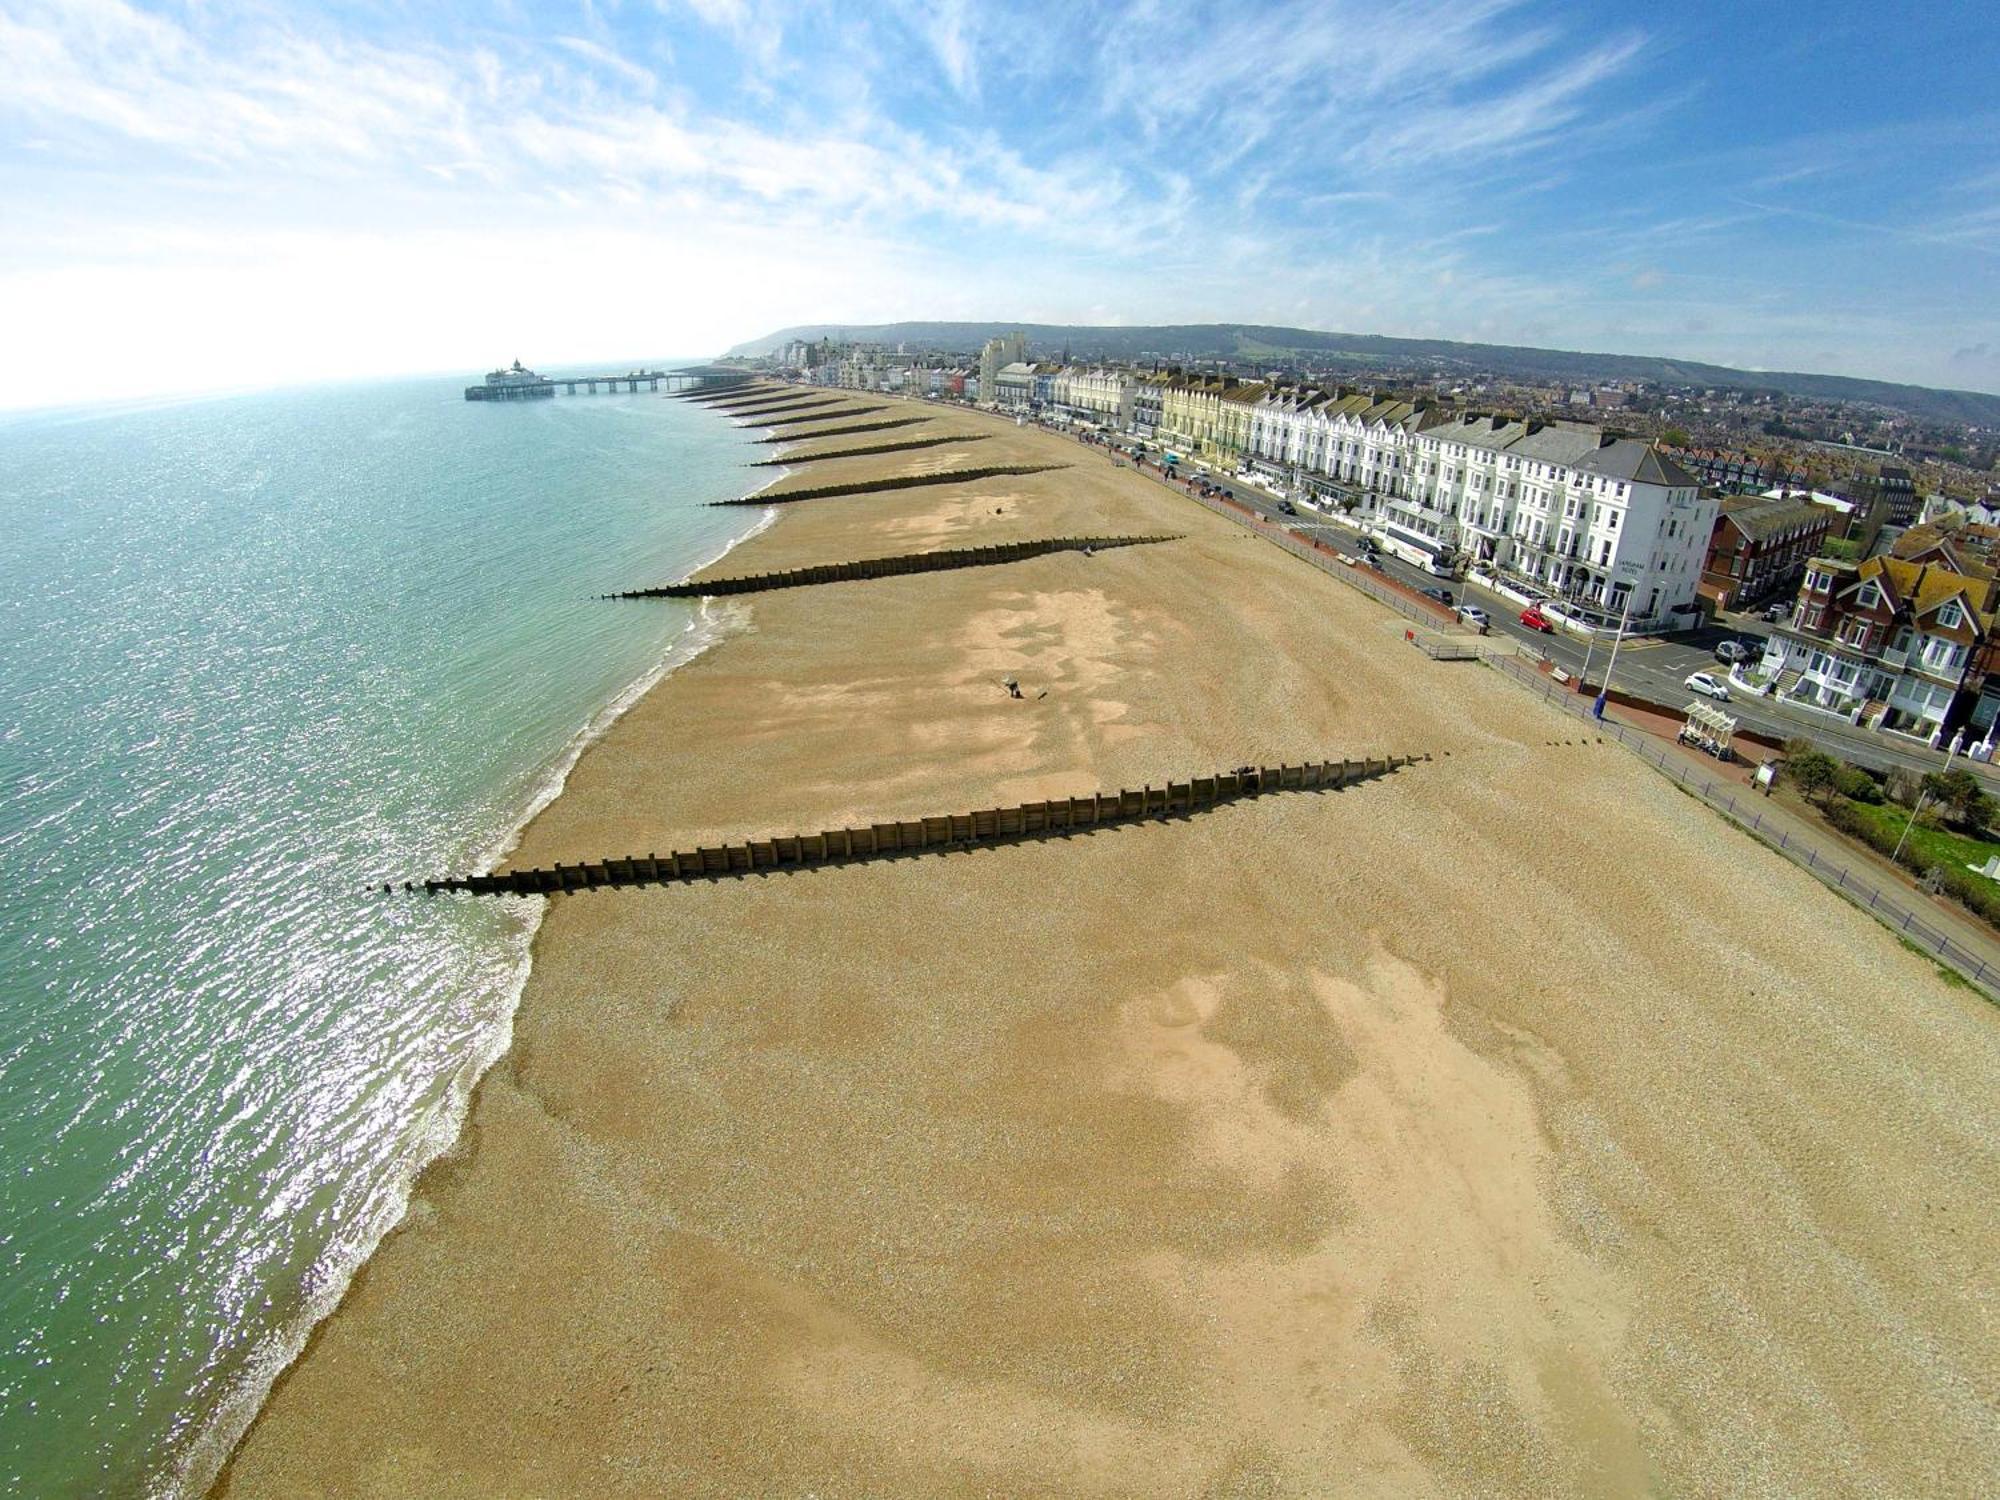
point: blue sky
(212, 194)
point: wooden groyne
(752, 394)
(709, 395)
(1059, 818)
(810, 437)
(764, 408)
(867, 452)
(889, 567)
(904, 482)
(852, 411)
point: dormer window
(1870, 595)
(1951, 616)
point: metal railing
(1422, 610)
(1743, 807)
(1889, 911)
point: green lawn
(1933, 846)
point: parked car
(1474, 616)
(1443, 596)
(1706, 684)
(1776, 612)
(1734, 651)
(1534, 619)
(1285, 508)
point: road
(1651, 667)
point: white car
(1473, 615)
(1705, 682)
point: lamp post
(1923, 797)
(1630, 574)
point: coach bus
(1419, 537)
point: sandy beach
(1511, 1125)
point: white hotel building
(1558, 509)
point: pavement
(1662, 663)
(1652, 667)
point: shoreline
(442, 1131)
(749, 1263)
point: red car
(1534, 619)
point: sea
(259, 655)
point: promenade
(1934, 925)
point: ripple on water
(261, 655)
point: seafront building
(1557, 510)
(1905, 642)
(1012, 386)
(1760, 548)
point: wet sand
(1511, 1125)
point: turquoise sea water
(256, 656)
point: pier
(519, 383)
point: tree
(1675, 437)
(1812, 772)
(1959, 793)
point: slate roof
(1760, 519)
(1638, 462)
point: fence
(1030, 820)
(1723, 798)
(1447, 647)
(869, 451)
(886, 567)
(1746, 809)
(904, 482)
(1410, 605)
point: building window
(1942, 655)
(1950, 617)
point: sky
(216, 195)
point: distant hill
(1363, 352)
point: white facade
(1013, 385)
(1559, 508)
(1096, 395)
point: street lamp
(1924, 796)
(1631, 575)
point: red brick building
(1760, 548)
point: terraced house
(1210, 417)
(1347, 446)
(1104, 395)
(1559, 509)
(1568, 510)
(1898, 643)
(1760, 547)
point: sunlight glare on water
(258, 655)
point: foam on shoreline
(438, 1132)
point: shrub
(1975, 893)
(1856, 785)
(1841, 814)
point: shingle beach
(1510, 1125)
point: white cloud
(335, 194)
